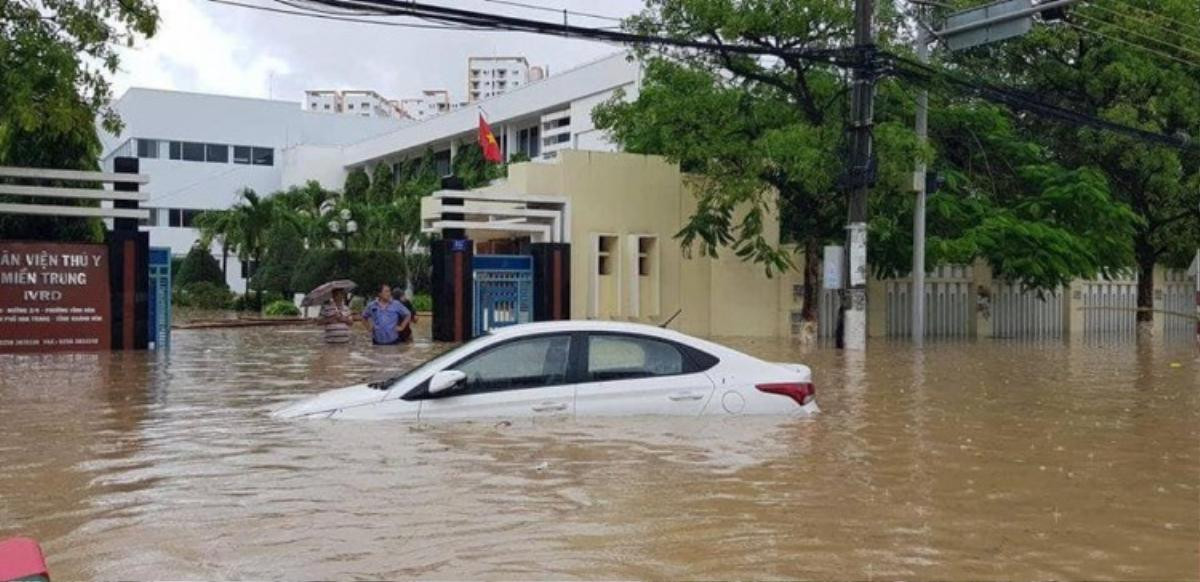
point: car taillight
(801, 392)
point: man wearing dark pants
(386, 318)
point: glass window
(263, 156)
(174, 217)
(193, 152)
(216, 153)
(526, 363)
(188, 217)
(175, 150)
(612, 357)
(147, 148)
(351, 106)
(241, 154)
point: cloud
(215, 48)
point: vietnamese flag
(488, 143)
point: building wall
(633, 196)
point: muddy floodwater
(989, 460)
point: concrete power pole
(860, 175)
(918, 259)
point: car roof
(588, 325)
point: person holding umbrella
(335, 312)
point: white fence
(948, 305)
(1179, 299)
(1110, 308)
(1018, 313)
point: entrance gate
(503, 291)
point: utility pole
(918, 259)
(859, 177)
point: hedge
(199, 266)
(281, 308)
(369, 269)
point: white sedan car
(575, 369)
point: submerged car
(575, 369)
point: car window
(612, 357)
(526, 363)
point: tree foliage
(199, 266)
(55, 59)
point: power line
(556, 10)
(1141, 34)
(1021, 101)
(310, 13)
(1133, 44)
(1144, 21)
(1178, 23)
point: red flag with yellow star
(488, 143)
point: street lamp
(344, 225)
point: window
(152, 219)
(193, 152)
(216, 153)
(615, 357)
(526, 363)
(248, 268)
(557, 139)
(241, 154)
(351, 106)
(263, 156)
(327, 107)
(174, 150)
(604, 255)
(174, 217)
(188, 217)
(646, 255)
(147, 148)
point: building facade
(358, 102)
(491, 76)
(201, 151)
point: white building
(358, 102)
(431, 102)
(491, 76)
(201, 150)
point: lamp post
(343, 225)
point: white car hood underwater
(327, 402)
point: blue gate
(503, 293)
(160, 298)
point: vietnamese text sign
(54, 297)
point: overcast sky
(216, 48)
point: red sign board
(54, 297)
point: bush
(281, 308)
(422, 302)
(254, 300)
(284, 249)
(420, 268)
(369, 269)
(203, 295)
(357, 304)
(199, 266)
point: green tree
(356, 186)
(243, 227)
(382, 185)
(220, 227)
(55, 59)
(199, 266)
(283, 248)
(1102, 71)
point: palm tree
(219, 225)
(253, 215)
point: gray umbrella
(325, 290)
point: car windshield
(430, 364)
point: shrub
(420, 268)
(203, 295)
(254, 300)
(422, 302)
(199, 266)
(357, 304)
(369, 269)
(284, 249)
(281, 308)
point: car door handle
(678, 396)
(549, 407)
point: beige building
(620, 212)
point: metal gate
(948, 306)
(160, 297)
(503, 291)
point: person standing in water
(386, 318)
(336, 317)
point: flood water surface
(982, 461)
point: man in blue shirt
(386, 318)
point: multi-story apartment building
(491, 76)
(431, 102)
(359, 102)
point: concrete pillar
(876, 307)
(1159, 323)
(980, 298)
(1072, 312)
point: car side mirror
(445, 380)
